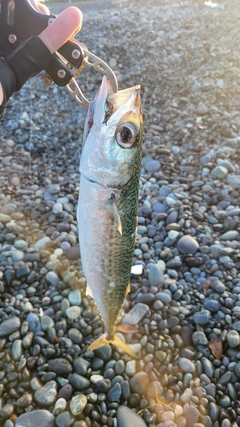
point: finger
(43, 8)
(62, 28)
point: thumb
(68, 23)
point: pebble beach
(185, 282)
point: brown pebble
(24, 401)
(65, 392)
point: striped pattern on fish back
(122, 248)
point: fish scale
(108, 200)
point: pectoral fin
(111, 204)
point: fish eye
(126, 135)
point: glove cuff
(31, 57)
(7, 80)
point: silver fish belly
(108, 197)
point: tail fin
(103, 340)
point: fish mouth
(106, 103)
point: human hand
(33, 56)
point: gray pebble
(139, 383)
(199, 337)
(233, 180)
(60, 366)
(155, 275)
(9, 326)
(136, 314)
(233, 338)
(54, 188)
(17, 350)
(128, 418)
(47, 394)
(79, 382)
(219, 172)
(208, 367)
(74, 297)
(73, 312)
(186, 365)
(114, 393)
(81, 365)
(65, 419)
(38, 418)
(201, 317)
(187, 245)
(52, 278)
(230, 235)
(33, 322)
(211, 305)
(164, 297)
(152, 165)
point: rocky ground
(186, 302)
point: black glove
(31, 57)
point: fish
(110, 167)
